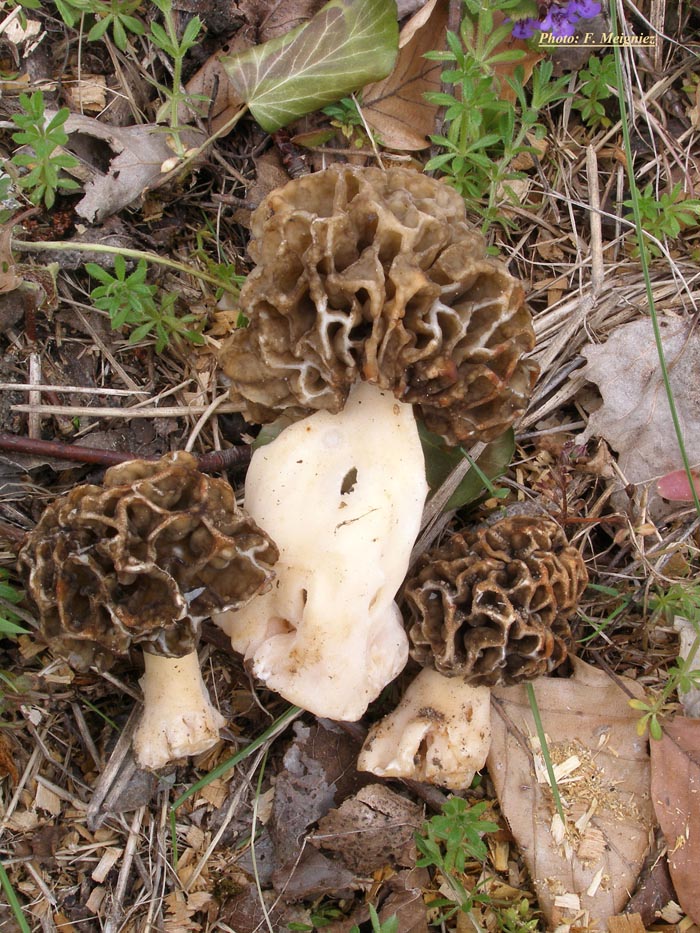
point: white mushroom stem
(440, 733)
(342, 497)
(178, 717)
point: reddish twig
(212, 462)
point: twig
(128, 414)
(113, 922)
(594, 219)
(212, 462)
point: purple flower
(525, 28)
(559, 23)
(585, 9)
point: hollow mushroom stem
(342, 497)
(440, 733)
(178, 716)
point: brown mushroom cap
(493, 605)
(141, 560)
(373, 274)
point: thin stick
(205, 416)
(83, 411)
(115, 914)
(594, 219)
(75, 390)
(213, 462)
(34, 420)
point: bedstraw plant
(131, 302)
(447, 842)
(679, 600)
(486, 128)
(44, 159)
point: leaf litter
(313, 792)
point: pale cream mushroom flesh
(439, 733)
(342, 497)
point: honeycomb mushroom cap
(493, 605)
(373, 274)
(142, 559)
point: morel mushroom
(141, 561)
(369, 289)
(489, 607)
(375, 275)
(493, 605)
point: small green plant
(517, 919)
(447, 841)
(223, 272)
(43, 137)
(117, 15)
(678, 600)
(327, 915)
(131, 302)
(485, 132)
(347, 119)
(598, 83)
(390, 925)
(166, 39)
(667, 215)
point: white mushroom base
(178, 717)
(440, 733)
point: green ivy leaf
(440, 460)
(346, 45)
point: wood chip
(215, 793)
(626, 923)
(109, 859)
(47, 800)
(97, 896)
(567, 901)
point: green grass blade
(279, 725)
(644, 255)
(545, 751)
(13, 901)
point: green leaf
(192, 30)
(142, 331)
(440, 460)
(119, 33)
(10, 628)
(346, 45)
(99, 29)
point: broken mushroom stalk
(489, 607)
(140, 561)
(371, 301)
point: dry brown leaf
(395, 107)
(376, 827)
(635, 418)
(586, 717)
(7, 760)
(134, 154)
(675, 792)
(212, 83)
